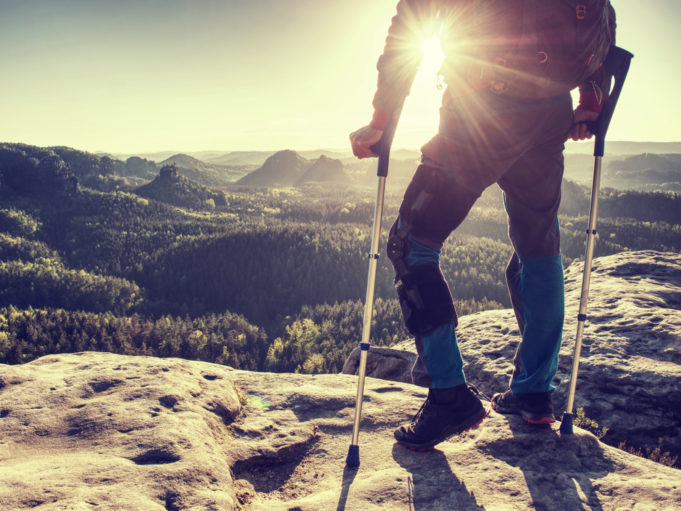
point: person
(509, 67)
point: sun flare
(432, 55)
(420, 117)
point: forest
(135, 258)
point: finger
(586, 133)
(574, 133)
(361, 151)
(582, 131)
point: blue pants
(517, 144)
(537, 291)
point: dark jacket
(484, 43)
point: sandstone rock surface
(630, 365)
(103, 431)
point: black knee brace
(424, 295)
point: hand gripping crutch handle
(382, 149)
(617, 63)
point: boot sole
(431, 445)
(528, 417)
(543, 420)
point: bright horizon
(147, 76)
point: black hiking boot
(444, 413)
(535, 408)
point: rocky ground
(630, 365)
(103, 431)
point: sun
(432, 55)
(420, 117)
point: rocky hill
(184, 160)
(118, 432)
(283, 168)
(288, 168)
(324, 170)
(646, 172)
(207, 174)
(172, 188)
(135, 166)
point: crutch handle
(382, 147)
(616, 63)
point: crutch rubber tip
(566, 424)
(353, 456)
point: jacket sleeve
(594, 92)
(414, 21)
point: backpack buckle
(580, 11)
(496, 85)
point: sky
(137, 76)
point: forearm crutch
(617, 63)
(382, 148)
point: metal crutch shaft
(382, 148)
(617, 63)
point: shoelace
(478, 393)
(420, 412)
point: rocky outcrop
(392, 364)
(288, 168)
(324, 170)
(630, 365)
(97, 430)
(283, 168)
(173, 188)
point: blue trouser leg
(537, 292)
(438, 349)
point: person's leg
(535, 280)
(439, 364)
(539, 291)
(481, 137)
(432, 208)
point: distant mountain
(289, 168)
(204, 173)
(184, 160)
(27, 170)
(284, 168)
(622, 147)
(257, 158)
(155, 156)
(325, 169)
(234, 158)
(579, 167)
(313, 155)
(137, 167)
(172, 188)
(645, 172)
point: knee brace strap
(425, 299)
(424, 295)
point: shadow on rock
(433, 485)
(348, 477)
(559, 469)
